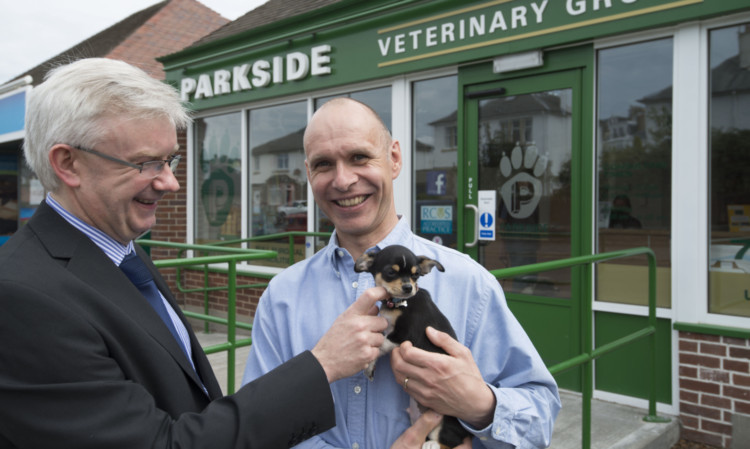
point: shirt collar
(111, 247)
(400, 234)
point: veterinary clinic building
(532, 130)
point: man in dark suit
(86, 361)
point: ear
(365, 261)
(426, 264)
(396, 160)
(64, 162)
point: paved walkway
(614, 426)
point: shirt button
(357, 389)
(355, 284)
(355, 446)
(340, 253)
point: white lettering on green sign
(293, 66)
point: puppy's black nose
(406, 288)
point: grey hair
(74, 100)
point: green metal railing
(231, 256)
(238, 244)
(590, 353)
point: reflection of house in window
(522, 119)
(618, 132)
(282, 162)
(280, 170)
(451, 136)
(730, 132)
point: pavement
(613, 426)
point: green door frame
(566, 68)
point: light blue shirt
(117, 252)
(301, 303)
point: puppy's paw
(431, 445)
(370, 371)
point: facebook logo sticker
(436, 182)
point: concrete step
(613, 426)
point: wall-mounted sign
(486, 206)
(436, 182)
(294, 66)
(436, 219)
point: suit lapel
(202, 365)
(88, 262)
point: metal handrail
(232, 256)
(590, 353)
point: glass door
(523, 144)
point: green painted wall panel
(549, 327)
(624, 371)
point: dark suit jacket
(85, 361)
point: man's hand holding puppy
(415, 435)
(448, 384)
(354, 339)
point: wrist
(484, 413)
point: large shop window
(729, 173)
(634, 153)
(277, 182)
(218, 173)
(435, 145)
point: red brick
(743, 353)
(688, 346)
(688, 371)
(702, 437)
(736, 365)
(713, 349)
(716, 401)
(697, 410)
(692, 359)
(742, 407)
(690, 422)
(689, 396)
(741, 381)
(737, 393)
(699, 386)
(734, 341)
(716, 427)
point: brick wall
(714, 381)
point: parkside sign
(473, 27)
(261, 73)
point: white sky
(36, 30)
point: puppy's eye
(414, 277)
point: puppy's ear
(426, 264)
(365, 261)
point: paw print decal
(521, 192)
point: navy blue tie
(141, 277)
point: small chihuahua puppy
(409, 310)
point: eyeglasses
(150, 169)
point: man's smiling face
(351, 165)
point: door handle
(476, 225)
